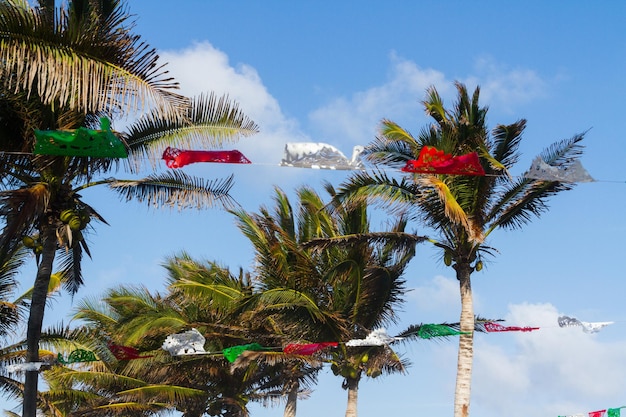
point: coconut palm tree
(462, 210)
(200, 295)
(325, 277)
(68, 68)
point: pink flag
(307, 349)
(597, 413)
(125, 353)
(495, 327)
(176, 158)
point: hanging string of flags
(611, 412)
(191, 342)
(315, 155)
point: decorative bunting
(614, 412)
(495, 327)
(78, 355)
(125, 353)
(25, 367)
(433, 161)
(599, 413)
(320, 156)
(232, 353)
(307, 349)
(540, 170)
(190, 342)
(176, 158)
(81, 142)
(565, 321)
(378, 337)
(427, 331)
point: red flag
(495, 327)
(176, 158)
(125, 353)
(433, 161)
(307, 349)
(599, 413)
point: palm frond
(405, 240)
(75, 73)
(176, 189)
(210, 122)
(380, 190)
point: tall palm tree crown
(67, 68)
(462, 210)
(324, 276)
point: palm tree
(200, 295)
(324, 277)
(68, 68)
(463, 210)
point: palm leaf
(176, 189)
(68, 69)
(209, 123)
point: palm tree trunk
(353, 394)
(292, 399)
(466, 343)
(35, 318)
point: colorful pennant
(611, 412)
(308, 348)
(565, 321)
(78, 355)
(232, 353)
(190, 342)
(125, 353)
(378, 337)
(81, 142)
(427, 331)
(575, 172)
(25, 367)
(433, 161)
(176, 158)
(495, 327)
(320, 156)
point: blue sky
(330, 72)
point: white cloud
(439, 294)
(551, 371)
(202, 68)
(505, 88)
(355, 119)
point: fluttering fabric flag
(320, 156)
(78, 355)
(378, 337)
(190, 342)
(232, 353)
(177, 158)
(540, 170)
(588, 327)
(427, 331)
(125, 353)
(496, 327)
(599, 413)
(614, 412)
(433, 161)
(307, 348)
(81, 142)
(25, 367)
